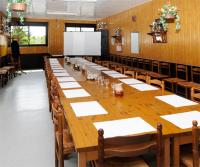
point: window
(73, 27)
(31, 34)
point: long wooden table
(134, 103)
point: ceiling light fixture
(61, 13)
(80, 0)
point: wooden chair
(181, 76)
(105, 63)
(129, 71)
(158, 83)
(160, 70)
(195, 82)
(125, 150)
(119, 68)
(63, 141)
(192, 158)
(3, 76)
(147, 64)
(195, 94)
(142, 77)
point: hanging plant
(17, 6)
(169, 12)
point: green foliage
(21, 33)
(171, 10)
(9, 9)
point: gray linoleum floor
(26, 129)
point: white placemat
(144, 87)
(183, 120)
(124, 127)
(110, 72)
(131, 81)
(87, 108)
(59, 71)
(176, 100)
(75, 93)
(65, 79)
(68, 85)
(57, 68)
(61, 74)
(101, 68)
(118, 75)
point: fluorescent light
(61, 13)
(80, 0)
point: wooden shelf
(159, 36)
(117, 37)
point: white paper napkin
(75, 93)
(183, 120)
(144, 87)
(131, 81)
(88, 108)
(65, 79)
(176, 100)
(68, 85)
(124, 127)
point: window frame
(45, 24)
(80, 25)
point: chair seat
(68, 144)
(8, 67)
(124, 162)
(156, 75)
(3, 72)
(188, 84)
(174, 80)
(187, 159)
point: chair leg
(56, 157)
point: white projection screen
(82, 43)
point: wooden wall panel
(56, 28)
(182, 47)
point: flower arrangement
(101, 25)
(117, 31)
(167, 12)
(21, 4)
(157, 26)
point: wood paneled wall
(182, 47)
(56, 28)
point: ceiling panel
(76, 9)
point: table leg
(167, 152)
(176, 152)
(82, 160)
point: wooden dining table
(133, 103)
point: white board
(135, 42)
(82, 43)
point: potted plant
(117, 31)
(101, 25)
(169, 12)
(18, 6)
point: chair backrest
(195, 94)
(195, 143)
(182, 71)
(147, 64)
(164, 68)
(130, 146)
(142, 77)
(140, 63)
(155, 66)
(135, 62)
(195, 74)
(158, 83)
